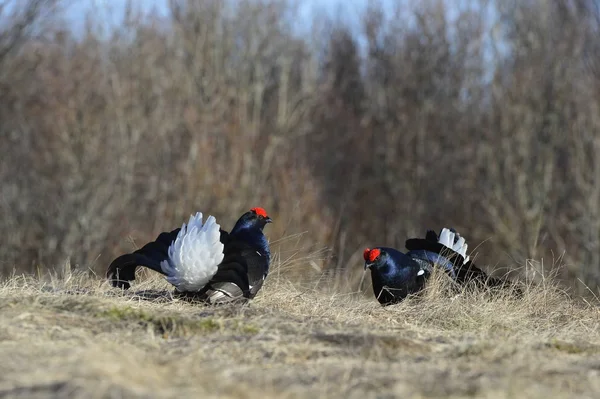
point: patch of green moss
(162, 324)
(207, 324)
(124, 313)
(249, 329)
(467, 350)
(568, 347)
(174, 325)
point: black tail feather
(122, 270)
(431, 236)
(465, 273)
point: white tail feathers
(447, 239)
(194, 255)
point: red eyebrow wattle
(259, 212)
(371, 254)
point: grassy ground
(77, 337)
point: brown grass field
(78, 337)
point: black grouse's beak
(268, 220)
(368, 265)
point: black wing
(470, 273)
(122, 270)
(465, 273)
(242, 266)
(428, 244)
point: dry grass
(78, 337)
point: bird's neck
(390, 271)
(252, 235)
(389, 268)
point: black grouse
(203, 261)
(395, 275)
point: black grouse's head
(374, 258)
(255, 217)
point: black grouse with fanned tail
(203, 261)
(395, 275)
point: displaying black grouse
(395, 275)
(203, 261)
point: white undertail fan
(194, 255)
(447, 237)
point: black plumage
(241, 273)
(395, 275)
(464, 270)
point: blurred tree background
(355, 130)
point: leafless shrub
(482, 115)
